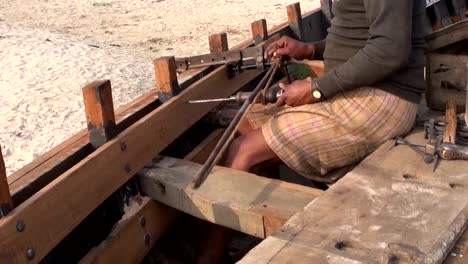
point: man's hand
(296, 94)
(292, 48)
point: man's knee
(239, 156)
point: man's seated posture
(373, 81)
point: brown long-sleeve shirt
(378, 43)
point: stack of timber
(109, 193)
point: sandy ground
(49, 49)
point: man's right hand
(290, 47)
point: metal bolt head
(143, 221)
(20, 226)
(30, 253)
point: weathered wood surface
(459, 253)
(448, 35)
(390, 209)
(218, 42)
(450, 130)
(259, 31)
(99, 108)
(239, 200)
(98, 175)
(295, 20)
(166, 78)
(135, 234)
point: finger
(281, 100)
(282, 52)
(270, 50)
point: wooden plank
(239, 200)
(135, 234)
(166, 78)
(99, 109)
(459, 253)
(447, 36)
(295, 20)
(6, 204)
(259, 31)
(218, 42)
(203, 150)
(107, 169)
(450, 131)
(391, 209)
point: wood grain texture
(99, 109)
(390, 209)
(450, 130)
(218, 42)
(134, 235)
(166, 78)
(239, 200)
(259, 31)
(107, 169)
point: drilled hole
(456, 186)
(408, 176)
(342, 245)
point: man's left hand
(296, 94)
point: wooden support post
(218, 42)
(450, 130)
(5, 199)
(99, 112)
(295, 20)
(259, 31)
(166, 78)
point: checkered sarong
(316, 138)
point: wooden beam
(218, 42)
(259, 31)
(97, 176)
(5, 199)
(203, 150)
(392, 208)
(450, 130)
(99, 109)
(239, 200)
(295, 20)
(166, 78)
(141, 226)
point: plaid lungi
(315, 138)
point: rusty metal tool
(229, 133)
(270, 97)
(235, 60)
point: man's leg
(244, 152)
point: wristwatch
(314, 89)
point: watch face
(317, 94)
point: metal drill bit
(229, 99)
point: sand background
(49, 49)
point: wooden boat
(108, 194)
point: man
(373, 81)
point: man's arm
(387, 50)
(319, 50)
